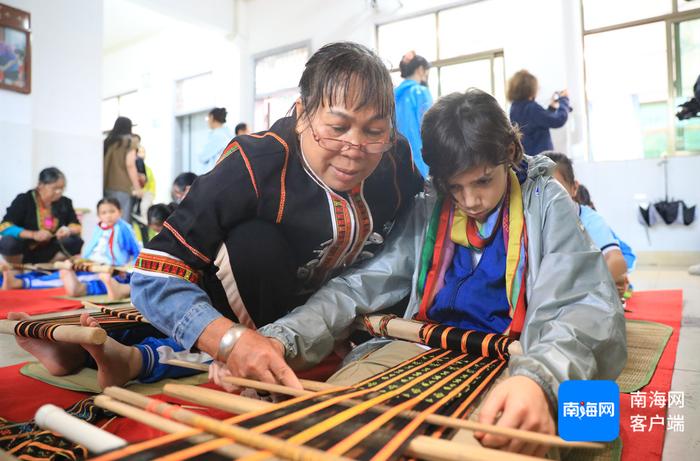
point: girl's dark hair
(411, 62)
(158, 213)
(121, 129)
(109, 201)
(50, 175)
(583, 196)
(564, 165)
(184, 179)
(218, 114)
(465, 130)
(348, 74)
(521, 86)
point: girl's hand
(520, 403)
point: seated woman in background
(181, 187)
(596, 227)
(113, 244)
(533, 120)
(39, 226)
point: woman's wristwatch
(228, 340)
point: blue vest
(474, 298)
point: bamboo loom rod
(456, 423)
(166, 425)
(422, 447)
(90, 266)
(308, 384)
(409, 330)
(315, 386)
(64, 333)
(265, 442)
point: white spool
(76, 430)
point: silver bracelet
(228, 340)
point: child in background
(155, 217)
(113, 243)
(596, 227)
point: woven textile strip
(27, 441)
(109, 318)
(437, 381)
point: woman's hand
(42, 235)
(520, 403)
(258, 357)
(63, 232)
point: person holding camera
(534, 120)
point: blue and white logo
(589, 411)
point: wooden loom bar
(409, 330)
(260, 441)
(63, 333)
(166, 425)
(422, 447)
(456, 423)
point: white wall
(151, 67)
(58, 123)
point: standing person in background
(534, 120)
(219, 137)
(413, 99)
(241, 128)
(121, 177)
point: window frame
(305, 44)
(672, 23)
(440, 62)
(118, 97)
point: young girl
(618, 255)
(113, 244)
(503, 253)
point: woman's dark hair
(411, 62)
(564, 165)
(158, 213)
(347, 74)
(218, 114)
(122, 127)
(583, 196)
(240, 127)
(521, 86)
(109, 201)
(465, 130)
(184, 179)
(50, 175)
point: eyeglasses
(339, 145)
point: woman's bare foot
(117, 364)
(9, 281)
(115, 290)
(71, 283)
(58, 358)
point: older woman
(40, 225)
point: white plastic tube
(76, 430)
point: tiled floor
(686, 377)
